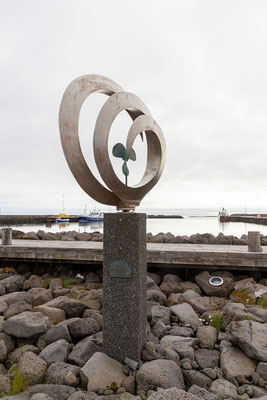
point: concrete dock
(198, 256)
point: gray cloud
(200, 66)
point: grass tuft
(19, 383)
(216, 321)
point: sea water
(193, 221)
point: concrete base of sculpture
(124, 285)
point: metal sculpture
(120, 195)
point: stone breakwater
(205, 238)
(202, 342)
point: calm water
(187, 226)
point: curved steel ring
(119, 195)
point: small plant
(68, 282)
(216, 321)
(262, 302)
(19, 383)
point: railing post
(7, 236)
(254, 241)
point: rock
(224, 388)
(15, 297)
(160, 313)
(159, 329)
(168, 287)
(262, 370)
(95, 314)
(202, 304)
(172, 394)
(5, 384)
(251, 337)
(57, 351)
(151, 285)
(186, 315)
(170, 340)
(47, 235)
(9, 341)
(156, 295)
(203, 393)
(26, 324)
(210, 372)
(101, 371)
(234, 362)
(17, 353)
(32, 367)
(149, 352)
(224, 290)
(3, 351)
(83, 351)
(207, 336)
(30, 236)
(34, 281)
(59, 331)
(83, 327)
(167, 353)
(156, 278)
(159, 373)
(13, 283)
(41, 396)
(42, 297)
(3, 305)
(56, 392)
(193, 377)
(207, 358)
(57, 372)
(181, 331)
(258, 311)
(83, 396)
(129, 384)
(16, 308)
(55, 315)
(73, 308)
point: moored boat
(94, 216)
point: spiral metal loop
(119, 195)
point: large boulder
(251, 337)
(72, 307)
(83, 351)
(186, 315)
(13, 283)
(207, 336)
(224, 290)
(26, 324)
(207, 358)
(57, 373)
(57, 351)
(224, 388)
(102, 371)
(32, 367)
(159, 373)
(262, 370)
(234, 362)
(193, 377)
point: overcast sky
(200, 67)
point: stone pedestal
(254, 241)
(7, 236)
(124, 285)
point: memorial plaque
(120, 269)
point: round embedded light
(216, 281)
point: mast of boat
(63, 205)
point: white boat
(62, 218)
(93, 216)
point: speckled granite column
(124, 285)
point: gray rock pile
(203, 342)
(204, 238)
